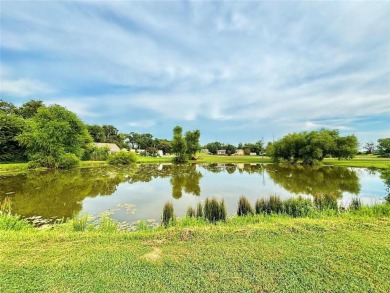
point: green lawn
(272, 254)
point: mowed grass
(271, 254)
(361, 161)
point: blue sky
(237, 70)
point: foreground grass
(349, 253)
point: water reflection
(61, 194)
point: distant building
(253, 154)
(160, 153)
(221, 152)
(206, 151)
(112, 147)
(239, 152)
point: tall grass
(355, 204)
(199, 211)
(191, 212)
(79, 223)
(214, 210)
(168, 215)
(9, 221)
(244, 207)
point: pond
(140, 191)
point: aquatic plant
(168, 215)
(190, 212)
(214, 210)
(355, 204)
(199, 211)
(244, 207)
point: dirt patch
(153, 255)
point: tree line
(53, 135)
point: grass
(362, 161)
(345, 253)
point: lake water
(139, 192)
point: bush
(80, 223)
(122, 158)
(168, 216)
(298, 207)
(94, 153)
(325, 202)
(244, 207)
(214, 211)
(68, 161)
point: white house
(221, 152)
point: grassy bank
(345, 253)
(359, 161)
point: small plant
(168, 216)
(80, 223)
(199, 211)
(142, 225)
(244, 207)
(222, 210)
(190, 212)
(122, 158)
(387, 199)
(356, 204)
(325, 202)
(260, 206)
(297, 207)
(108, 224)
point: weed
(244, 207)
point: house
(206, 151)
(112, 147)
(221, 152)
(239, 152)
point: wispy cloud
(236, 70)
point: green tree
(97, 133)
(179, 145)
(384, 147)
(230, 149)
(53, 132)
(7, 107)
(193, 146)
(213, 147)
(29, 109)
(10, 127)
(165, 146)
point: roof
(112, 146)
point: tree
(213, 147)
(165, 146)
(10, 127)
(29, 109)
(7, 107)
(179, 145)
(111, 133)
(193, 146)
(312, 147)
(53, 132)
(369, 147)
(97, 133)
(230, 149)
(384, 147)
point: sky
(239, 71)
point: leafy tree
(53, 132)
(111, 133)
(10, 127)
(7, 107)
(179, 145)
(312, 147)
(97, 133)
(192, 139)
(213, 147)
(29, 109)
(384, 147)
(230, 149)
(165, 146)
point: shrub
(68, 161)
(244, 207)
(260, 206)
(355, 204)
(122, 158)
(190, 212)
(12, 222)
(142, 225)
(168, 216)
(214, 211)
(108, 225)
(199, 211)
(325, 202)
(94, 153)
(298, 207)
(387, 199)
